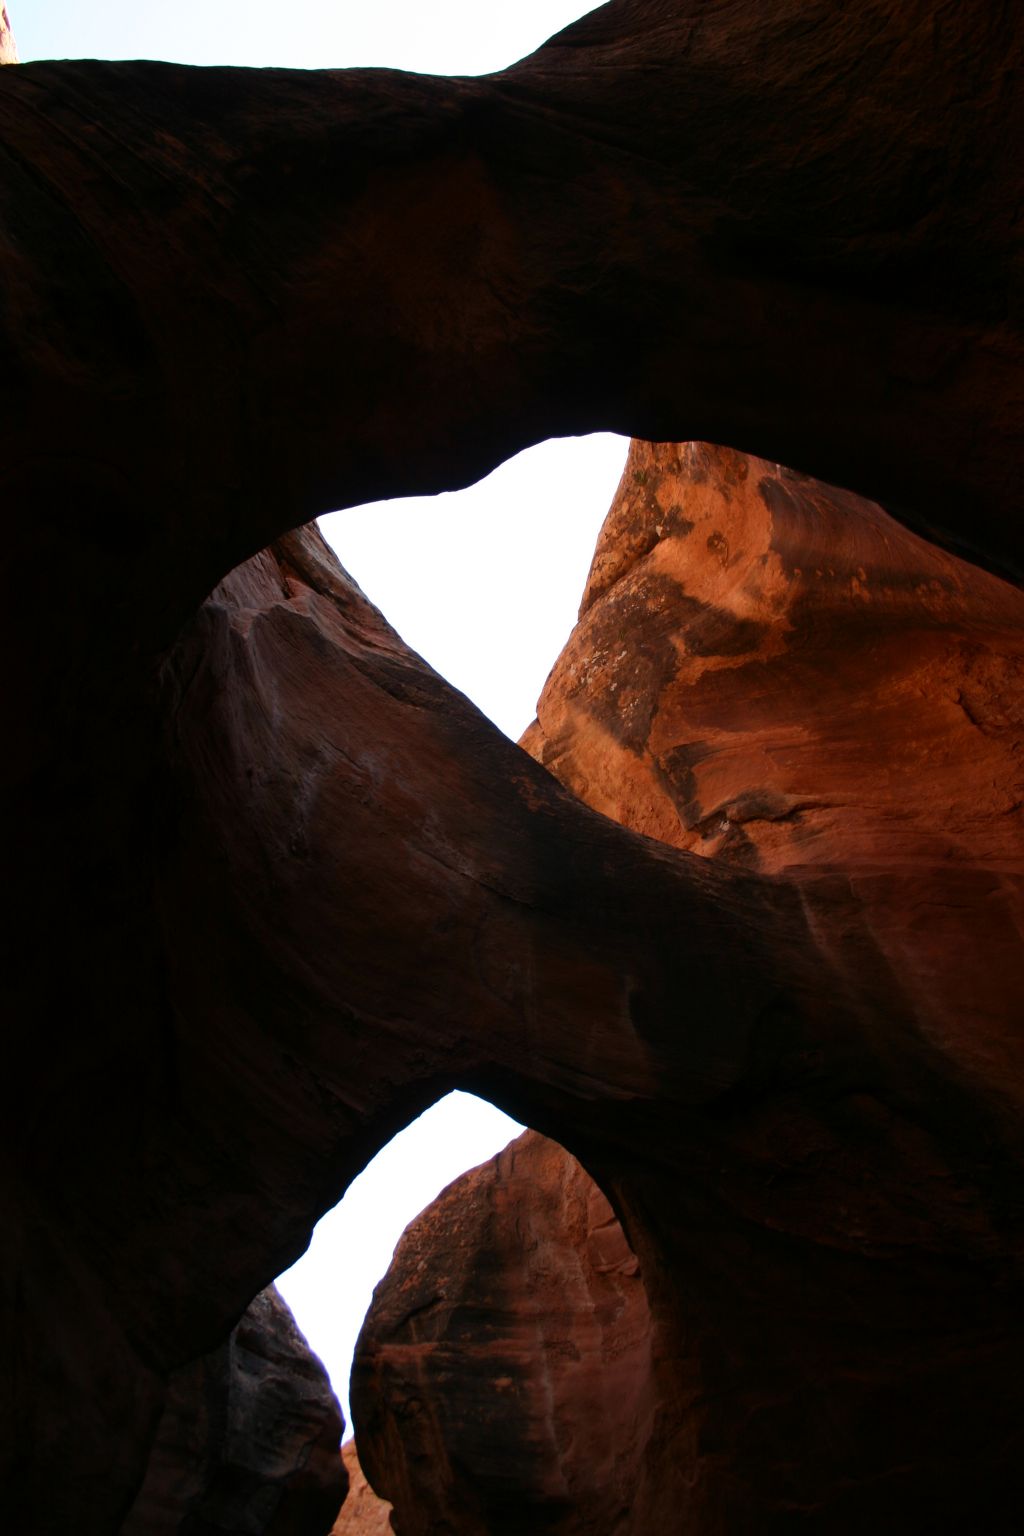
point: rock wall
(787, 235)
(503, 1379)
(248, 1442)
(775, 675)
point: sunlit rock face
(774, 675)
(8, 47)
(248, 1444)
(502, 1382)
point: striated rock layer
(275, 887)
(772, 674)
(248, 1441)
(502, 1381)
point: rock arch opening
(485, 583)
(503, 1380)
(330, 1288)
(763, 667)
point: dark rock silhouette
(249, 1438)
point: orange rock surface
(362, 1513)
(502, 1381)
(8, 47)
(774, 675)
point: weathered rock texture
(773, 674)
(275, 887)
(502, 1382)
(248, 1442)
(362, 1514)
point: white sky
(448, 37)
(485, 583)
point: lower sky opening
(330, 1288)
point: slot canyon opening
(485, 583)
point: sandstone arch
(678, 223)
(777, 677)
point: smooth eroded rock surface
(791, 232)
(774, 675)
(502, 1382)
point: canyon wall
(248, 1442)
(503, 1380)
(774, 675)
(277, 887)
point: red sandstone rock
(815, 1181)
(248, 1440)
(502, 1381)
(275, 887)
(773, 673)
(362, 1513)
(770, 673)
(811, 1166)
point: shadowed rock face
(503, 1381)
(276, 887)
(788, 230)
(772, 674)
(248, 1440)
